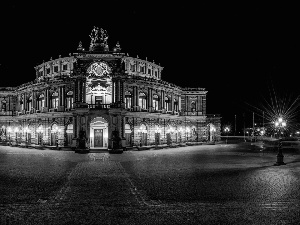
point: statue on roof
(94, 35)
(98, 39)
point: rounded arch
(142, 95)
(127, 129)
(143, 128)
(127, 93)
(99, 120)
(54, 126)
(69, 128)
(157, 128)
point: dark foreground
(222, 184)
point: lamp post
(39, 131)
(9, 130)
(16, 131)
(226, 129)
(56, 130)
(280, 124)
(212, 132)
(26, 139)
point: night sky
(237, 52)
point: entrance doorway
(98, 137)
(128, 135)
(99, 133)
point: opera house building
(103, 98)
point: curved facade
(98, 97)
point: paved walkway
(222, 184)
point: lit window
(41, 102)
(155, 102)
(54, 100)
(167, 104)
(128, 100)
(142, 101)
(29, 102)
(69, 99)
(3, 105)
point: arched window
(3, 105)
(155, 102)
(143, 101)
(193, 106)
(21, 103)
(69, 129)
(175, 105)
(128, 99)
(29, 103)
(41, 102)
(69, 99)
(54, 100)
(167, 104)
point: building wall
(56, 78)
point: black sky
(237, 52)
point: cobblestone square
(213, 184)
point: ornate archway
(98, 133)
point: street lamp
(39, 130)
(226, 129)
(56, 130)
(26, 138)
(280, 124)
(16, 131)
(9, 130)
(212, 132)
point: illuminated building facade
(100, 98)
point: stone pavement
(222, 184)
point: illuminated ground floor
(108, 129)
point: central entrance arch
(99, 133)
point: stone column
(119, 91)
(179, 103)
(33, 99)
(162, 99)
(74, 121)
(137, 96)
(113, 92)
(63, 96)
(172, 102)
(83, 87)
(75, 93)
(46, 98)
(122, 97)
(25, 102)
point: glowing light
(9, 129)
(226, 129)
(280, 120)
(212, 128)
(39, 130)
(157, 129)
(16, 130)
